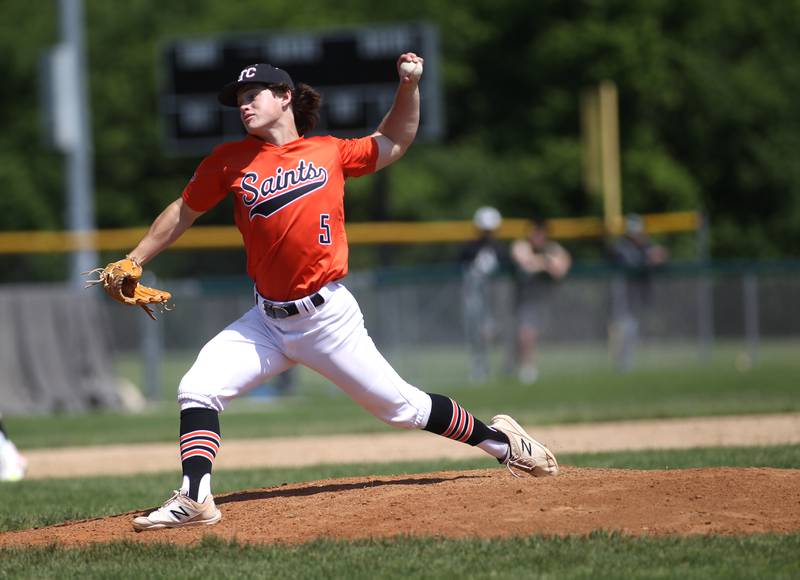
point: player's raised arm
(398, 129)
(167, 227)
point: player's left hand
(120, 280)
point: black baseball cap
(261, 73)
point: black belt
(287, 309)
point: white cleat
(12, 464)
(526, 453)
(180, 511)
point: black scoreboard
(353, 69)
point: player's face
(259, 107)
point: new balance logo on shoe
(181, 511)
(527, 446)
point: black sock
(451, 420)
(2, 429)
(199, 442)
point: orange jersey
(288, 206)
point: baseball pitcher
(288, 192)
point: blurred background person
(636, 257)
(12, 464)
(539, 264)
(481, 259)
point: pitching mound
(482, 503)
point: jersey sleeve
(205, 189)
(358, 156)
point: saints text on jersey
(266, 196)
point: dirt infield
(483, 503)
(480, 503)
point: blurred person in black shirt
(540, 263)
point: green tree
(708, 109)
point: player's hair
(305, 105)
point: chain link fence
(61, 346)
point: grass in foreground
(38, 503)
(597, 556)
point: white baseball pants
(330, 339)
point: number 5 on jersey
(325, 236)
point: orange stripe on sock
(202, 433)
(453, 420)
(197, 453)
(463, 419)
(205, 442)
(468, 430)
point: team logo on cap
(247, 73)
(267, 196)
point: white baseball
(412, 69)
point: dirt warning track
(737, 431)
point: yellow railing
(208, 237)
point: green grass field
(446, 367)
(599, 555)
(668, 383)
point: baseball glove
(120, 280)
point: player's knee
(412, 413)
(399, 421)
(193, 394)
